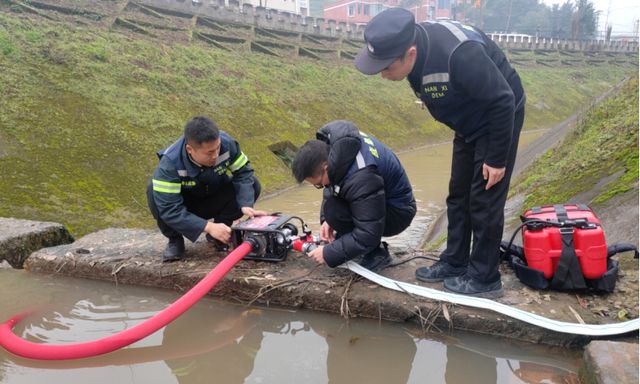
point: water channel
(225, 343)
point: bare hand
(492, 175)
(317, 255)
(252, 212)
(326, 233)
(219, 231)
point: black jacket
(177, 177)
(467, 83)
(368, 177)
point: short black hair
(309, 159)
(200, 129)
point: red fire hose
(20, 347)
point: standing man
(467, 83)
(201, 176)
(367, 194)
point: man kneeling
(367, 194)
(204, 175)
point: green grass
(604, 143)
(85, 109)
(6, 46)
(554, 93)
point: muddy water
(217, 342)
(223, 343)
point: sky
(622, 13)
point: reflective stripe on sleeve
(165, 186)
(239, 163)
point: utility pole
(606, 19)
(509, 16)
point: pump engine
(272, 236)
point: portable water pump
(272, 236)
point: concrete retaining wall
(270, 18)
(262, 17)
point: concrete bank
(607, 362)
(18, 238)
(126, 256)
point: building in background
(362, 11)
(354, 11)
(316, 8)
(300, 7)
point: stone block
(610, 362)
(20, 238)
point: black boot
(174, 250)
(439, 271)
(466, 285)
(377, 259)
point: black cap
(387, 36)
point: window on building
(376, 8)
(359, 9)
(366, 9)
(351, 11)
(443, 4)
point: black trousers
(338, 215)
(222, 206)
(474, 211)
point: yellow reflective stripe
(239, 163)
(165, 190)
(165, 186)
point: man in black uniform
(367, 194)
(467, 83)
(203, 175)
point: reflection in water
(475, 366)
(228, 347)
(325, 350)
(215, 342)
(536, 373)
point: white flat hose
(477, 302)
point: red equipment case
(543, 246)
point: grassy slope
(83, 110)
(604, 143)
